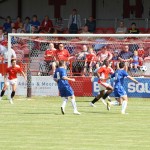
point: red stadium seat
(100, 30)
(142, 30)
(148, 30)
(110, 30)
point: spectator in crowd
(141, 50)
(90, 61)
(65, 89)
(27, 26)
(1, 35)
(14, 39)
(60, 54)
(133, 29)
(49, 59)
(59, 26)
(4, 53)
(14, 30)
(135, 61)
(4, 42)
(103, 54)
(11, 28)
(35, 23)
(17, 23)
(78, 65)
(7, 25)
(20, 27)
(115, 59)
(121, 29)
(3, 50)
(33, 29)
(74, 23)
(126, 56)
(46, 25)
(85, 30)
(115, 55)
(91, 23)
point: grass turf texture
(37, 124)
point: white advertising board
(41, 86)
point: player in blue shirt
(64, 87)
(119, 91)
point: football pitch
(37, 124)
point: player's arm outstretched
(131, 78)
(69, 79)
(23, 74)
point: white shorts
(11, 82)
(103, 86)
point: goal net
(37, 56)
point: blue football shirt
(59, 74)
(65, 89)
(119, 76)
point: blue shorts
(66, 91)
(119, 92)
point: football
(143, 68)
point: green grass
(37, 124)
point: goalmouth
(30, 49)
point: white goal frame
(10, 35)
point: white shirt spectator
(4, 53)
(121, 29)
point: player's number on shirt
(116, 76)
(58, 75)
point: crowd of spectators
(83, 58)
(75, 25)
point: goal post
(30, 49)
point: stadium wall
(41, 8)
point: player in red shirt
(103, 75)
(12, 78)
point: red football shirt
(105, 72)
(90, 57)
(12, 72)
(50, 55)
(62, 54)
